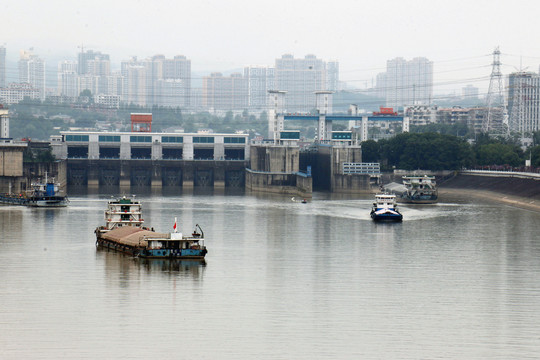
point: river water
(282, 280)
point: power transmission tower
(495, 121)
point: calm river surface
(282, 280)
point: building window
(289, 135)
(77, 138)
(203, 139)
(109, 138)
(342, 136)
(234, 140)
(172, 139)
(145, 139)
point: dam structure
(142, 158)
(333, 161)
(282, 163)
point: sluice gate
(156, 173)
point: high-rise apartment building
(115, 84)
(135, 85)
(170, 93)
(380, 86)
(259, 79)
(225, 93)
(167, 81)
(407, 82)
(32, 71)
(300, 78)
(332, 76)
(67, 79)
(524, 102)
(179, 68)
(2, 66)
(93, 62)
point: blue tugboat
(385, 208)
(44, 194)
(124, 232)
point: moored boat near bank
(124, 232)
(385, 208)
(420, 189)
(415, 190)
(44, 194)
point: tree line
(435, 151)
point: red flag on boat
(174, 226)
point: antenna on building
(495, 121)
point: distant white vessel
(420, 189)
(415, 189)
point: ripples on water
(282, 280)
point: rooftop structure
(141, 122)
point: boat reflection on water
(172, 265)
(118, 262)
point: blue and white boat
(42, 194)
(46, 195)
(385, 208)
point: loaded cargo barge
(123, 232)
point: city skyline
(477, 80)
(167, 82)
(221, 37)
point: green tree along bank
(435, 151)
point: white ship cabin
(385, 200)
(123, 212)
(419, 181)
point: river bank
(521, 193)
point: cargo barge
(124, 232)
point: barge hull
(179, 254)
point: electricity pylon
(495, 121)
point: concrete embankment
(514, 191)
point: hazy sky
(457, 35)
